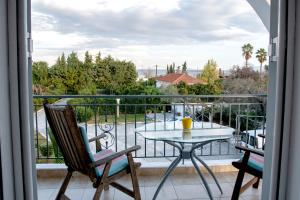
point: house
(176, 78)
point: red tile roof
(175, 78)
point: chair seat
(117, 165)
(255, 165)
(256, 162)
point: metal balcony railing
(119, 115)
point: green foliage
(114, 76)
(89, 90)
(57, 153)
(210, 72)
(171, 68)
(40, 73)
(83, 114)
(184, 67)
(46, 150)
(247, 50)
(227, 116)
(206, 89)
(72, 76)
(243, 73)
(182, 88)
(169, 90)
(210, 75)
(261, 55)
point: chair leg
(256, 184)
(98, 192)
(238, 185)
(240, 177)
(64, 185)
(102, 182)
(135, 183)
(106, 187)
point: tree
(241, 86)
(72, 76)
(206, 89)
(210, 73)
(40, 73)
(261, 56)
(247, 52)
(182, 88)
(184, 67)
(243, 73)
(169, 90)
(171, 68)
(88, 60)
(98, 58)
(243, 80)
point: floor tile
(251, 197)
(227, 189)
(77, 182)
(122, 196)
(45, 194)
(166, 193)
(74, 194)
(106, 195)
(49, 183)
(191, 192)
(148, 181)
(188, 179)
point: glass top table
(186, 141)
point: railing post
(118, 107)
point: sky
(148, 32)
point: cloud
(108, 24)
(193, 21)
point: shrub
(83, 113)
(46, 150)
(57, 153)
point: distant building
(175, 78)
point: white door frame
(262, 9)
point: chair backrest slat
(63, 124)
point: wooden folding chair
(251, 163)
(103, 168)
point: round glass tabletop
(173, 132)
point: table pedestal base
(188, 152)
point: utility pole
(155, 75)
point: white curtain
(17, 149)
(282, 160)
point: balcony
(119, 117)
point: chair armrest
(98, 137)
(262, 135)
(114, 155)
(243, 148)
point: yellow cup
(187, 123)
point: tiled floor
(176, 187)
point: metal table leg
(209, 170)
(167, 174)
(202, 177)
